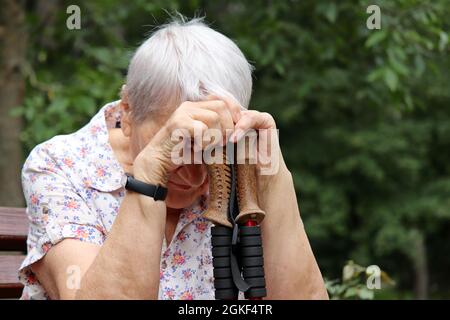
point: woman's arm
(126, 266)
(291, 269)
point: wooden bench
(13, 236)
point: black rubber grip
(250, 241)
(221, 241)
(256, 293)
(251, 251)
(256, 282)
(226, 283)
(249, 231)
(221, 251)
(252, 261)
(222, 273)
(226, 294)
(221, 231)
(221, 262)
(252, 272)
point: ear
(125, 122)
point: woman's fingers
(233, 106)
(228, 111)
(203, 124)
(208, 117)
(252, 119)
(221, 109)
(215, 125)
(223, 115)
(267, 147)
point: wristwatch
(157, 192)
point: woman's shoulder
(57, 151)
(84, 158)
(73, 149)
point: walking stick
(236, 235)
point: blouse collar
(104, 170)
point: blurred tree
(363, 114)
(12, 86)
(363, 119)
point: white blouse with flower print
(73, 189)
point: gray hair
(186, 61)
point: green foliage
(364, 115)
(353, 284)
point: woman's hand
(270, 162)
(154, 162)
(291, 270)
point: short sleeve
(55, 208)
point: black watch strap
(155, 191)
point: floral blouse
(73, 189)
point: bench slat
(13, 222)
(13, 229)
(10, 287)
(13, 236)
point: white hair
(186, 61)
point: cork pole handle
(247, 195)
(219, 193)
(229, 276)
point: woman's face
(186, 183)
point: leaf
(419, 65)
(365, 294)
(397, 59)
(391, 79)
(328, 10)
(331, 12)
(280, 68)
(375, 75)
(443, 40)
(351, 270)
(351, 293)
(375, 38)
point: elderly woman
(90, 238)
